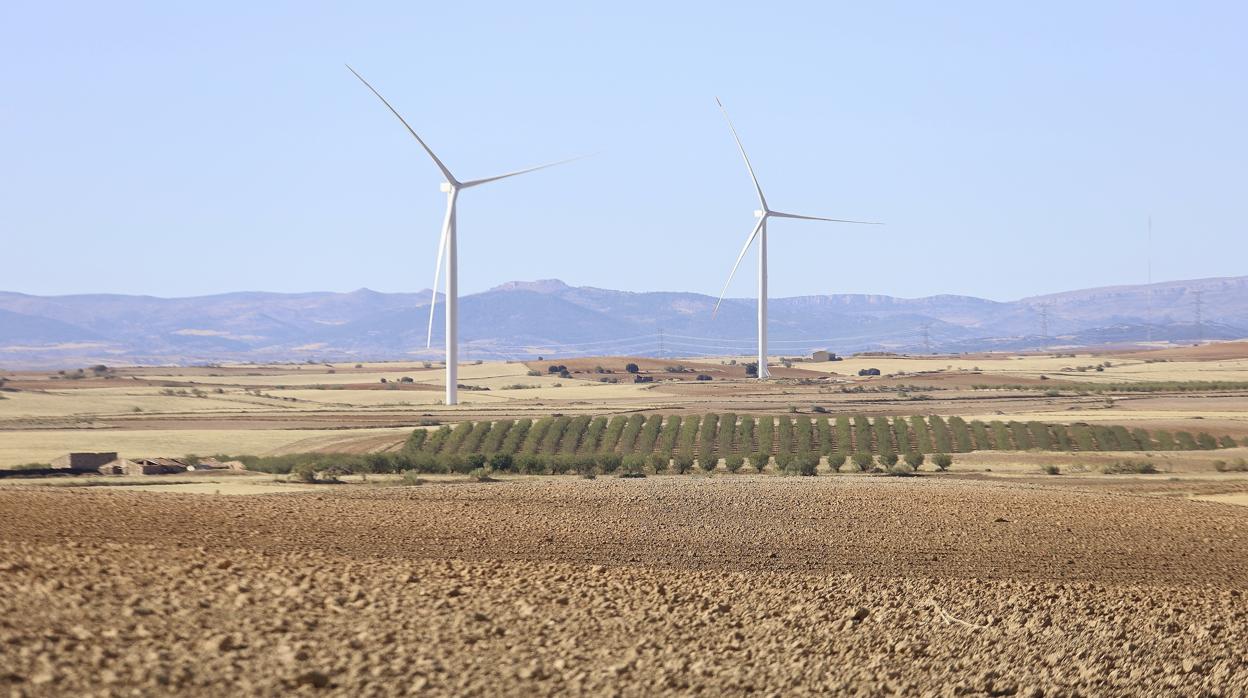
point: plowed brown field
(718, 586)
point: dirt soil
(728, 585)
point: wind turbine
(447, 249)
(760, 231)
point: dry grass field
(266, 409)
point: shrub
(819, 409)
(708, 462)
(766, 434)
(727, 430)
(751, 369)
(649, 434)
(703, 377)
(808, 466)
(611, 436)
(684, 463)
(863, 461)
(1124, 467)
(494, 440)
(883, 435)
(631, 368)
(1052, 470)
(667, 436)
(961, 435)
(888, 460)
(900, 470)
(632, 428)
(940, 434)
(942, 461)
(784, 461)
(412, 477)
(657, 462)
(1238, 465)
(609, 462)
(759, 461)
(501, 461)
(530, 464)
(734, 463)
(914, 459)
(921, 434)
(304, 472)
(632, 466)
(836, 461)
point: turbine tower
(760, 232)
(447, 249)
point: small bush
(1129, 467)
(808, 466)
(658, 463)
(1238, 465)
(684, 463)
(914, 459)
(942, 461)
(888, 460)
(863, 461)
(304, 472)
(836, 461)
(759, 461)
(609, 462)
(1052, 470)
(412, 477)
(734, 463)
(631, 368)
(502, 461)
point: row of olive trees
(691, 439)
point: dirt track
(727, 585)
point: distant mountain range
(549, 318)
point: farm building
(83, 461)
(824, 355)
(214, 464)
(164, 466)
(144, 466)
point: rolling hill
(521, 319)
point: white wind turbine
(447, 251)
(760, 231)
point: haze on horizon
(178, 151)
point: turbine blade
(762, 200)
(748, 241)
(437, 272)
(475, 182)
(779, 214)
(445, 172)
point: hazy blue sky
(1011, 148)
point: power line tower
(1199, 301)
(1044, 321)
(927, 337)
(661, 352)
